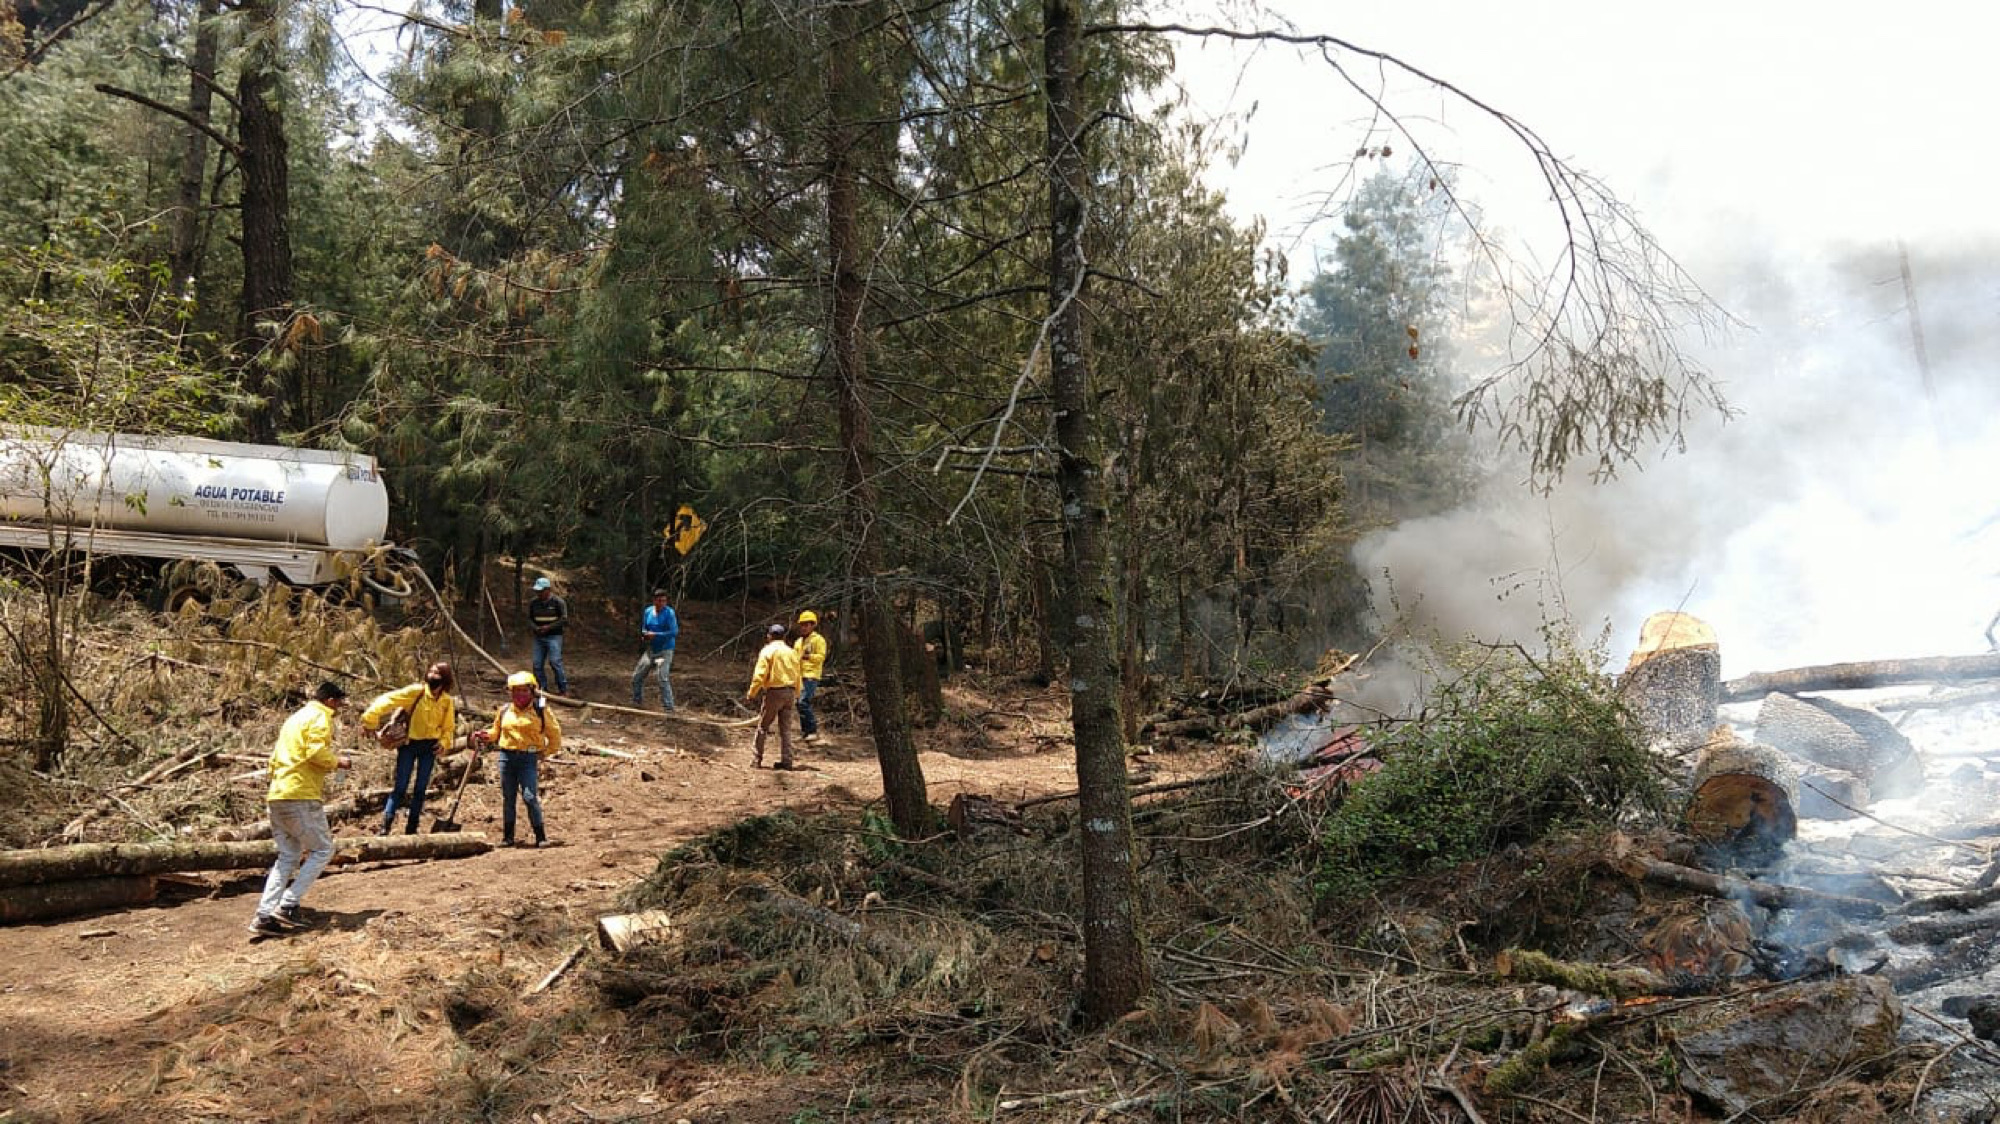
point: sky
(1782, 151)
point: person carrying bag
(415, 721)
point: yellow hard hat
(522, 679)
(808, 616)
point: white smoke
(1843, 515)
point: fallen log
(1743, 794)
(1941, 700)
(101, 860)
(1596, 979)
(166, 768)
(66, 899)
(1863, 675)
(620, 931)
(1852, 739)
(1317, 695)
(346, 807)
(1770, 895)
(768, 898)
(1938, 930)
(1960, 901)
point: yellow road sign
(686, 529)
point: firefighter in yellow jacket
(777, 679)
(433, 723)
(811, 647)
(524, 731)
(301, 761)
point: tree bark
(266, 217)
(1114, 961)
(849, 99)
(103, 860)
(67, 899)
(1865, 674)
(184, 253)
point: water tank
(191, 486)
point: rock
(1753, 1052)
(1985, 1018)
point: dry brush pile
(167, 715)
(874, 980)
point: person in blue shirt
(660, 628)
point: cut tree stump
(1851, 739)
(1673, 681)
(100, 860)
(1743, 793)
(67, 899)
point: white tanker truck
(302, 516)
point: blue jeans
(518, 773)
(548, 653)
(304, 847)
(660, 663)
(414, 760)
(808, 721)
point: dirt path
(91, 1004)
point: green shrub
(1511, 750)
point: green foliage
(1378, 315)
(878, 838)
(80, 347)
(1513, 749)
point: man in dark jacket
(547, 615)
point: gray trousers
(304, 847)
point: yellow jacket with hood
(432, 717)
(304, 755)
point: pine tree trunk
(1114, 960)
(184, 255)
(848, 96)
(266, 207)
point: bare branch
(1594, 364)
(177, 114)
